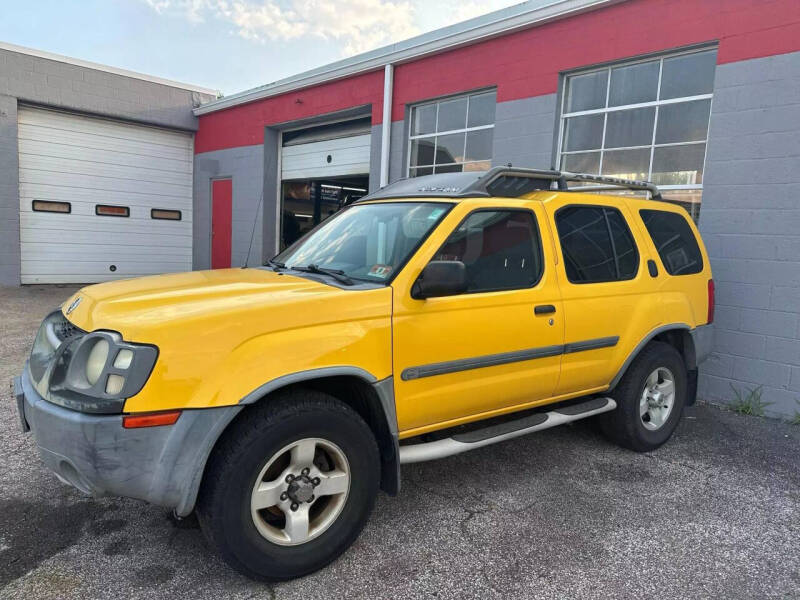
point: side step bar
(463, 442)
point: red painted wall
(527, 63)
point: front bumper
(95, 454)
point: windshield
(368, 242)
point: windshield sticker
(435, 214)
(381, 271)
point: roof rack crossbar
(562, 178)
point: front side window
(367, 242)
(597, 244)
(674, 241)
(500, 249)
(645, 120)
(452, 135)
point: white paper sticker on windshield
(435, 214)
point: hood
(137, 308)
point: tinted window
(597, 244)
(500, 249)
(674, 241)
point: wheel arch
(676, 335)
(371, 398)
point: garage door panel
(61, 121)
(57, 251)
(104, 156)
(139, 207)
(108, 184)
(44, 191)
(70, 139)
(356, 141)
(86, 162)
(348, 156)
(40, 268)
(86, 166)
(96, 225)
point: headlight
(96, 361)
(90, 372)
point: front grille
(65, 330)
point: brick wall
(750, 220)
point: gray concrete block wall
(750, 220)
(523, 132)
(245, 166)
(9, 192)
(398, 160)
(71, 87)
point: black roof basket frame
(509, 182)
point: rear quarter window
(674, 240)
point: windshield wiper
(277, 265)
(337, 274)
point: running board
(463, 442)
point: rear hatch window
(674, 240)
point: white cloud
(359, 25)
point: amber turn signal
(151, 419)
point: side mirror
(440, 278)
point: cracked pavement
(715, 513)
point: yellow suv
(409, 326)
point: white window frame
(656, 103)
(465, 130)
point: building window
(642, 120)
(452, 135)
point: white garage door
(102, 199)
(333, 152)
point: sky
(226, 45)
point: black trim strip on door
(493, 360)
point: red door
(221, 217)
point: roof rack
(509, 182)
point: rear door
(610, 299)
(487, 350)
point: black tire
(223, 506)
(624, 425)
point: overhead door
(327, 152)
(102, 199)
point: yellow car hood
(139, 307)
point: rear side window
(597, 244)
(674, 241)
(500, 249)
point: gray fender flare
(688, 352)
(383, 388)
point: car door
(487, 350)
(610, 299)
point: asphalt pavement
(715, 513)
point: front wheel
(290, 486)
(650, 399)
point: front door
(221, 219)
(488, 350)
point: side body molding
(647, 339)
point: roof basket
(508, 182)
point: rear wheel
(290, 487)
(650, 399)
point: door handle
(544, 309)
